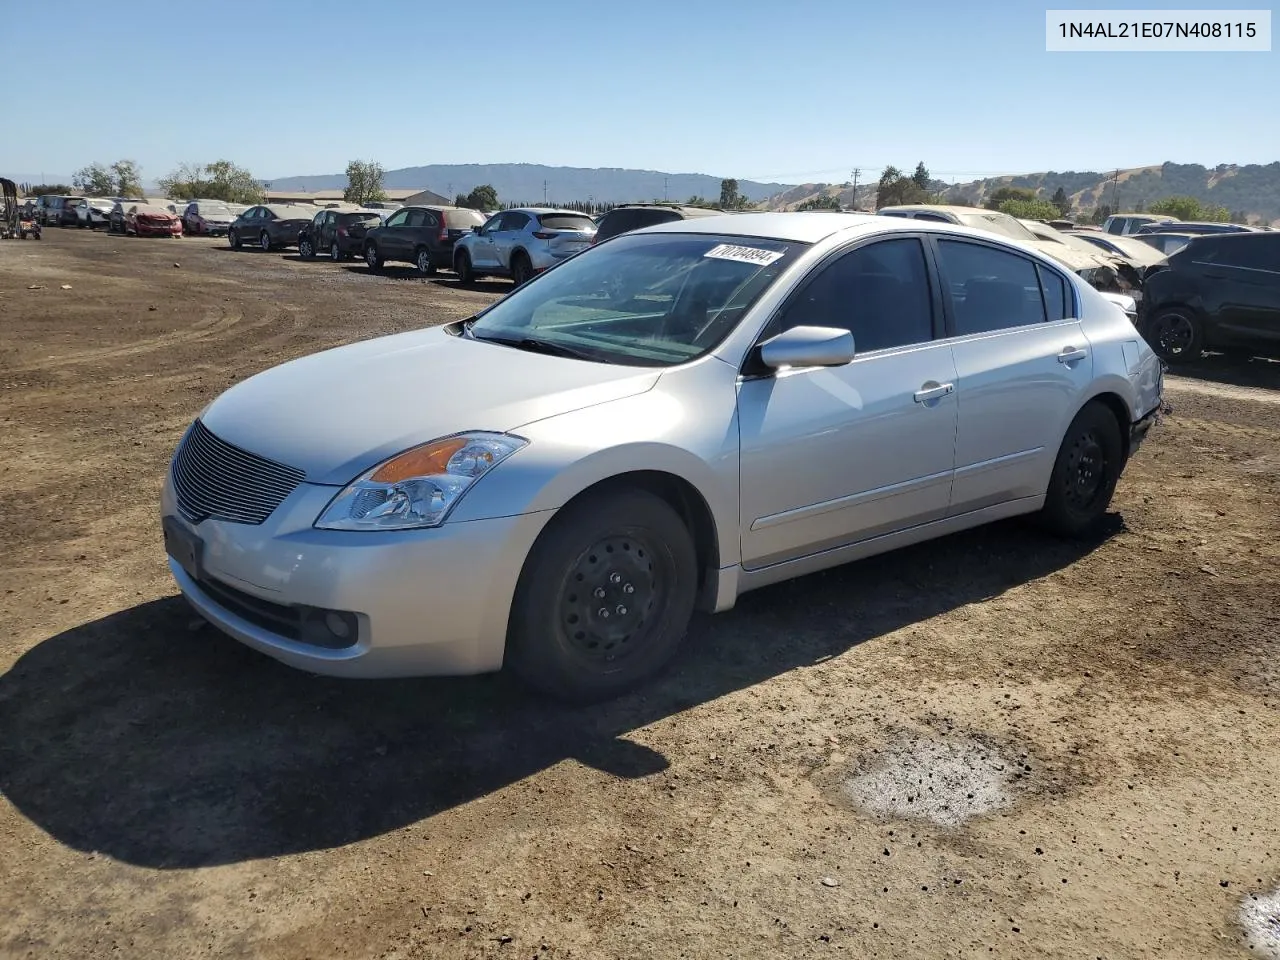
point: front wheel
(1085, 473)
(335, 252)
(264, 241)
(233, 239)
(1176, 335)
(462, 267)
(372, 259)
(306, 249)
(604, 598)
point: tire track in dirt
(1227, 391)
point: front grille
(275, 617)
(214, 479)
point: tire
(306, 250)
(1085, 473)
(233, 240)
(372, 259)
(422, 260)
(590, 646)
(335, 252)
(264, 242)
(462, 267)
(1176, 335)
(521, 269)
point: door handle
(1072, 354)
(933, 391)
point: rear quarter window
(462, 218)
(624, 221)
(565, 221)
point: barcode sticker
(730, 251)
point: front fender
(660, 430)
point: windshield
(214, 210)
(641, 299)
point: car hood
(337, 413)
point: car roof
(806, 227)
(680, 208)
(578, 213)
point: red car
(149, 220)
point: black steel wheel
(1175, 334)
(1085, 473)
(605, 596)
(462, 267)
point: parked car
(151, 220)
(1143, 255)
(555, 483)
(339, 234)
(115, 219)
(209, 218)
(93, 212)
(522, 242)
(1186, 226)
(633, 216)
(1166, 243)
(269, 225)
(49, 209)
(1126, 223)
(1111, 272)
(1217, 293)
(422, 235)
(67, 215)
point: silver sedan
(659, 424)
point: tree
(42, 189)
(921, 177)
(220, 180)
(820, 202)
(1061, 201)
(894, 189)
(1189, 208)
(997, 197)
(1100, 213)
(483, 197)
(730, 198)
(1029, 209)
(95, 180)
(364, 182)
(128, 177)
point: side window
(991, 289)
(515, 221)
(399, 219)
(493, 224)
(878, 292)
(417, 218)
(933, 217)
(429, 219)
(1057, 295)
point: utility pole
(856, 171)
(665, 198)
(1115, 185)
(544, 192)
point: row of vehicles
(141, 216)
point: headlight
(419, 487)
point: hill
(524, 182)
(1252, 190)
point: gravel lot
(996, 745)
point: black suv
(423, 236)
(1217, 293)
(339, 234)
(633, 216)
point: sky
(792, 92)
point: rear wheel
(264, 241)
(422, 259)
(1175, 334)
(521, 269)
(233, 239)
(462, 267)
(604, 598)
(372, 259)
(1085, 473)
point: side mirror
(477, 229)
(808, 347)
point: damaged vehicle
(1097, 270)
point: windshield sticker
(729, 251)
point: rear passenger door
(506, 239)
(1022, 365)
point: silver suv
(521, 242)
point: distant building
(321, 197)
(427, 197)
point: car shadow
(477, 286)
(1234, 370)
(170, 747)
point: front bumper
(426, 601)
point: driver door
(834, 455)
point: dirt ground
(996, 745)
